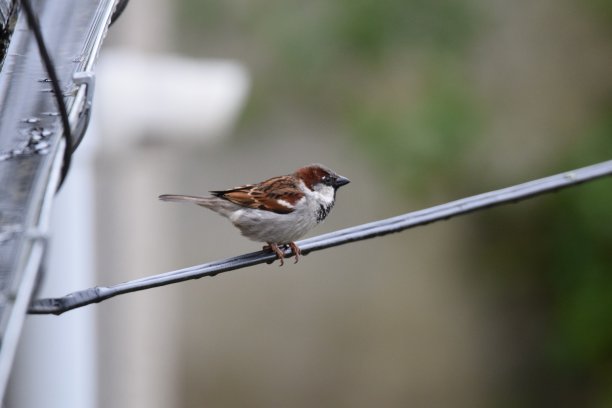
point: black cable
(59, 97)
(365, 231)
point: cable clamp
(88, 79)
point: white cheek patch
(321, 194)
(324, 194)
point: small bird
(277, 211)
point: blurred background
(418, 103)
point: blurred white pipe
(166, 97)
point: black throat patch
(323, 211)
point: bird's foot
(279, 253)
(274, 248)
(296, 251)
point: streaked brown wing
(278, 194)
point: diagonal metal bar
(361, 232)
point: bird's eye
(327, 180)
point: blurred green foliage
(580, 235)
(394, 74)
(390, 72)
(372, 29)
(555, 256)
(430, 136)
(601, 8)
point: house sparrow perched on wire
(279, 210)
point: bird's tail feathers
(218, 205)
(178, 198)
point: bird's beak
(340, 181)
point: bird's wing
(278, 194)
